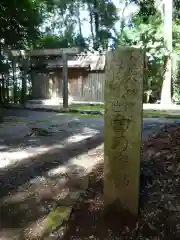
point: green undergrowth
(160, 114)
(146, 114)
(87, 111)
(87, 107)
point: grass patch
(146, 113)
(87, 107)
(160, 114)
(85, 115)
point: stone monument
(123, 117)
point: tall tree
(19, 22)
(162, 8)
(167, 15)
(60, 26)
(103, 16)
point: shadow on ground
(14, 176)
(28, 189)
(159, 216)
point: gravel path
(64, 130)
(20, 120)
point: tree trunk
(91, 23)
(1, 114)
(166, 86)
(167, 25)
(96, 22)
(14, 80)
(3, 90)
(79, 19)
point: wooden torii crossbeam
(52, 52)
(46, 52)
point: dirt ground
(160, 199)
(32, 184)
(32, 168)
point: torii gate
(50, 52)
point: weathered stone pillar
(123, 116)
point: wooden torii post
(64, 52)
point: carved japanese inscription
(123, 117)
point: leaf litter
(159, 217)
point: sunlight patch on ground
(17, 197)
(82, 164)
(88, 160)
(86, 133)
(36, 196)
(35, 229)
(57, 171)
(3, 147)
(11, 156)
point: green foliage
(53, 42)
(146, 32)
(105, 17)
(65, 18)
(50, 41)
(148, 36)
(22, 18)
(176, 35)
